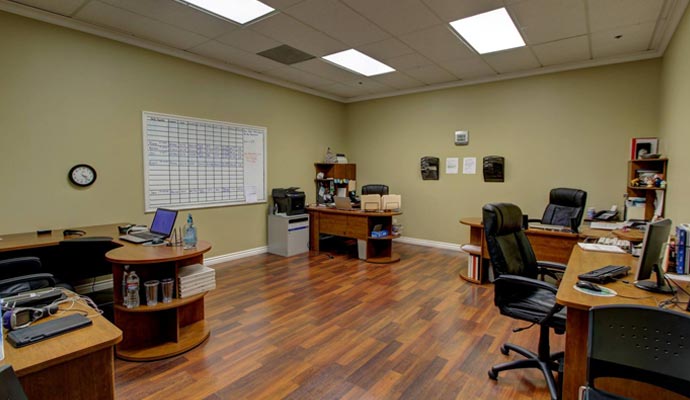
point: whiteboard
(195, 163)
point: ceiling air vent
(286, 55)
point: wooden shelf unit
(659, 165)
(166, 329)
(335, 176)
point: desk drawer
(333, 224)
(357, 227)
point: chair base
(553, 362)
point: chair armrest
(552, 265)
(517, 280)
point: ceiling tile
(605, 15)
(408, 61)
(512, 60)
(288, 30)
(430, 74)
(294, 75)
(633, 39)
(563, 51)
(64, 7)
(281, 4)
(451, 10)
(177, 14)
(103, 14)
(396, 16)
(543, 21)
(219, 51)
(327, 70)
(468, 68)
(338, 20)
(437, 43)
(387, 48)
(248, 40)
(397, 80)
(343, 90)
(369, 86)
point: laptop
(161, 227)
(343, 203)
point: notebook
(161, 227)
(343, 203)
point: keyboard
(54, 327)
(605, 274)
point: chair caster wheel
(504, 350)
(492, 374)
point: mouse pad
(605, 292)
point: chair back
(18, 266)
(375, 189)
(641, 343)
(509, 249)
(22, 274)
(84, 257)
(564, 205)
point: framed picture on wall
(639, 147)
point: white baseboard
(104, 284)
(428, 243)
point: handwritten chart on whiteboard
(194, 163)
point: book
(681, 243)
(198, 290)
(191, 270)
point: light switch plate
(462, 138)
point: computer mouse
(588, 285)
(157, 241)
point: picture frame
(642, 146)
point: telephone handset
(606, 215)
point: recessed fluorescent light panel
(489, 32)
(358, 62)
(240, 11)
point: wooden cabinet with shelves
(651, 194)
(335, 176)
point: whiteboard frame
(149, 208)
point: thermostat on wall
(462, 138)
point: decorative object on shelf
(644, 148)
(330, 158)
(82, 175)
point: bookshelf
(335, 176)
(639, 169)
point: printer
(289, 201)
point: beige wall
(568, 129)
(68, 98)
(675, 121)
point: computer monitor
(653, 248)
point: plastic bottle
(124, 286)
(132, 290)
(189, 233)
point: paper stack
(195, 279)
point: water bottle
(189, 239)
(124, 286)
(132, 290)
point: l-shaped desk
(149, 332)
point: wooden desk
(150, 333)
(547, 245)
(76, 365)
(577, 322)
(354, 224)
(166, 329)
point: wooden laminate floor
(333, 327)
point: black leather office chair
(83, 258)
(10, 388)
(641, 343)
(375, 189)
(566, 208)
(22, 274)
(519, 294)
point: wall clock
(82, 175)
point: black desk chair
(10, 388)
(22, 274)
(519, 294)
(642, 343)
(375, 189)
(566, 208)
(83, 258)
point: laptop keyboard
(145, 235)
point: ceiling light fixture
(358, 62)
(489, 32)
(240, 11)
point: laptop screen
(163, 221)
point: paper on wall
(452, 165)
(469, 165)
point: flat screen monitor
(653, 248)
